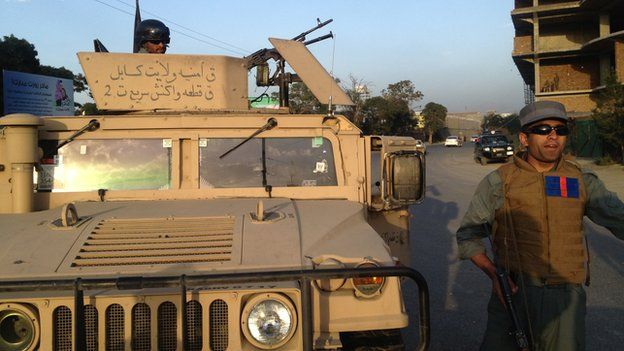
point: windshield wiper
(268, 188)
(93, 125)
(270, 124)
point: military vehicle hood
(172, 237)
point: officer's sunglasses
(545, 129)
(157, 42)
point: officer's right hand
(498, 290)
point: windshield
(499, 139)
(86, 165)
(289, 162)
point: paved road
(459, 292)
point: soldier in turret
(535, 207)
(153, 36)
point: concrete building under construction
(564, 50)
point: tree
(492, 121)
(609, 117)
(88, 108)
(60, 72)
(404, 91)
(435, 118)
(383, 116)
(16, 55)
(375, 112)
(358, 92)
(301, 100)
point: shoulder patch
(562, 187)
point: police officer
(535, 207)
(153, 36)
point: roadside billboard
(36, 94)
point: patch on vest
(562, 187)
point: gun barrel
(301, 36)
(316, 40)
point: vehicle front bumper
(497, 155)
(303, 278)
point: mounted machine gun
(281, 78)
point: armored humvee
(183, 219)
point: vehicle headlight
(368, 286)
(269, 320)
(329, 285)
(486, 149)
(509, 148)
(19, 328)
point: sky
(456, 52)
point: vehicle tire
(373, 340)
(483, 161)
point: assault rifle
(503, 280)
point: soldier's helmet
(152, 29)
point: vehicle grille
(167, 325)
(158, 241)
(218, 325)
(91, 325)
(167, 334)
(115, 328)
(194, 325)
(62, 319)
(141, 322)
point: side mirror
(404, 178)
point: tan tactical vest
(543, 218)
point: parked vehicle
(493, 147)
(453, 140)
(474, 138)
(420, 146)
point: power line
(191, 30)
(113, 7)
(239, 52)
